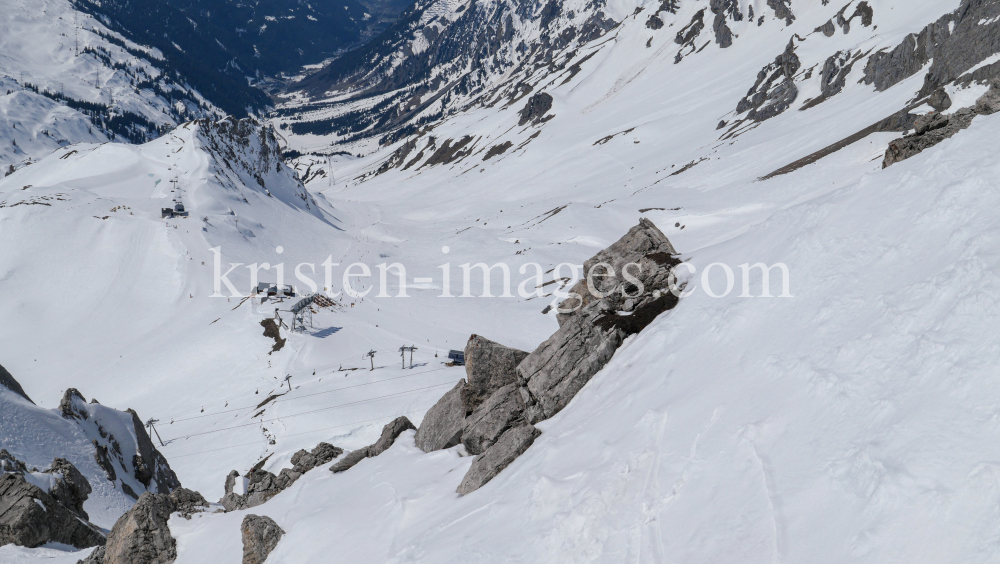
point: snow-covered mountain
(66, 78)
(853, 420)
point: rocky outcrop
(935, 127)
(150, 464)
(31, 517)
(350, 460)
(502, 411)
(8, 381)
(390, 433)
(598, 320)
(114, 454)
(304, 461)
(71, 489)
(443, 423)
(489, 366)
(260, 535)
(775, 89)
(486, 466)
(141, 535)
(535, 109)
(626, 286)
(954, 44)
(263, 485)
(782, 9)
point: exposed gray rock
(502, 411)
(486, 466)
(8, 381)
(989, 103)
(955, 43)
(390, 433)
(489, 366)
(535, 109)
(724, 11)
(68, 407)
(260, 535)
(688, 34)
(10, 464)
(71, 488)
(151, 466)
(775, 90)
(782, 9)
(939, 100)
(593, 326)
(322, 453)
(654, 22)
(931, 130)
(350, 459)
(263, 485)
(31, 517)
(443, 423)
(141, 535)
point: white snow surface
(853, 422)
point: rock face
(8, 381)
(489, 366)
(260, 536)
(502, 411)
(389, 435)
(122, 455)
(443, 423)
(595, 325)
(71, 488)
(534, 111)
(775, 89)
(512, 444)
(141, 535)
(31, 517)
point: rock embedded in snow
(350, 460)
(263, 485)
(486, 466)
(931, 129)
(594, 326)
(390, 433)
(489, 366)
(502, 411)
(31, 517)
(443, 423)
(260, 535)
(304, 461)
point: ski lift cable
(296, 434)
(305, 396)
(304, 372)
(376, 398)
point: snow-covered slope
(851, 422)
